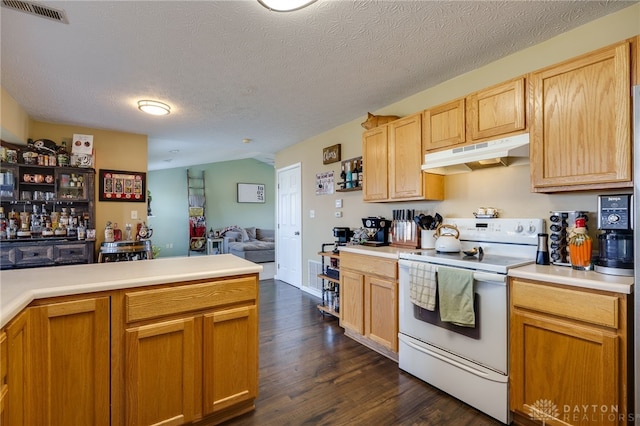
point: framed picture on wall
(118, 185)
(251, 193)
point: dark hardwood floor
(312, 374)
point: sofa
(254, 244)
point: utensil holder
(427, 238)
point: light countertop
(384, 251)
(571, 277)
(21, 286)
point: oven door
(486, 344)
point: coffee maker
(615, 218)
(377, 229)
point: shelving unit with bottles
(330, 283)
(353, 183)
(29, 189)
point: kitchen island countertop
(21, 286)
(571, 277)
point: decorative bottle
(348, 183)
(3, 225)
(355, 175)
(108, 233)
(63, 154)
(580, 245)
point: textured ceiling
(233, 70)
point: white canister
(428, 238)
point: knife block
(404, 234)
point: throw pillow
(251, 233)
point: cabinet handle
(34, 254)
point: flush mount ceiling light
(154, 107)
(285, 5)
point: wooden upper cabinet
(580, 132)
(444, 125)
(405, 157)
(375, 152)
(497, 110)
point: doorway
(289, 226)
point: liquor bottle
(117, 232)
(348, 182)
(580, 245)
(3, 225)
(63, 154)
(343, 176)
(82, 230)
(355, 175)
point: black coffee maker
(615, 218)
(377, 231)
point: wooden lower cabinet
(230, 359)
(568, 355)
(160, 373)
(167, 355)
(369, 301)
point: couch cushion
(265, 234)
(233, 235)
(251, 245)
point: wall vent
(315, 283)
(36, 9)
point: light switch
(134, 214)
(312, 214)
(339, 203)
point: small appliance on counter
(342, 235)
(377, 230)
(615, 218)
(561, 222)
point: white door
(289, 215)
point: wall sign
(251, 193)
(117, 185)
(331, 154)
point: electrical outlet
(134, 214)
(337, 214)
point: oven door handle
(490, 278)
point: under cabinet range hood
(510, 151)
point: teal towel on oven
(422, 285)
(455, 296)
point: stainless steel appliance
(469, 363)
(636, 248)
(615, 218)
(342, 235)
(561, 220)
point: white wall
(505, 188)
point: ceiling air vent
(36, 9)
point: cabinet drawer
(581, 305)
(34, 255)
(7, 256)
(369, 265)
(71, 253)
(161, 302)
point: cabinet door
(374, 162)
(405, 158)
(75, 184)
(159, 373)
(4, 388)
(71, 368)
(557, 364)
(230, 370)
(381, 312)
(352, 301)
(19, 411)
(497, 111)
(580, 133)
(444, 125)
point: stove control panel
(517, 231)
